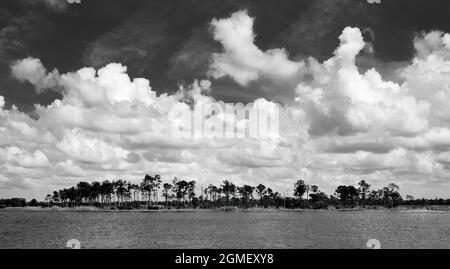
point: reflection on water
(253, 229)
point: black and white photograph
(251, 125)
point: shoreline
(232, 209)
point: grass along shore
(223, 209)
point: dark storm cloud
(170, 42)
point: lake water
(253, 229)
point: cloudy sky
(88, 91)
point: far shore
(224, 209)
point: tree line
(123, 194)
(178, 193)
(350, 196)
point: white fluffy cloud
(342, 100)
(364, 125)
(108, 125)
(344, 126)
(33, 71)
(17, 157)
(428, 75)
(79, 146)
(242, 59)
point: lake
(217, 229)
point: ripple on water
(257, 229)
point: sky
(91, 90)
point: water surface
(217, 229)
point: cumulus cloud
(17, 157)
(33, 71)
(78, 145)
(344, 125)
(361, 124)
(109, 123)
(69, 168)
(242, 60)
(428, 75)
(342, 100)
